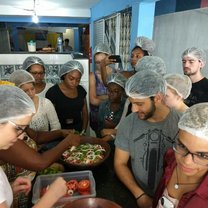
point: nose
(134, 108)
(188, 159)
(186, 64)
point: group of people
(154, 120)
(165, 136)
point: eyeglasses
(20, 130)
(37, 73)
(200, 158)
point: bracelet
(140, 196)
(113, 136)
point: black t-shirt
(69, 110)
(199, 93)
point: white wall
(173, 33)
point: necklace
(177, 184)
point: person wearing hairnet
(153, 63)
(36, 67)
(178, 89)
(143, 47)
(45, 118)
(193, 60)
(97, 90)
(110, 110)
(16, 110)
(144, 136)
(185, 180)
(69, 98)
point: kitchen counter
(108, 185)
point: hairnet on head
(195, 52)
(117, 78)
(180, 83)
(15, 104)
(145, 84)
(32, 60)
(153, 63)
(195, 120)
(71, 66)
(145, 44)
(20, 77)
(101, 48)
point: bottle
(59, 45)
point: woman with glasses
(35, 66)
(185, 179)
(16, 110)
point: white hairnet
(101, 48)
(195, 52)
(145, 44)
(195, 120)
(32, 60)
(180, 83)
(20, 77)
(71, 66)
(15, 103)
(117, 78)
(145, 84)
(153, 63)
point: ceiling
(52, 8)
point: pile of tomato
(74, 187)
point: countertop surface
(108, 185)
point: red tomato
(72, 185)
(84, 186)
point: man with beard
(144, 136)
(194, 59)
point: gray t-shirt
(147, 143)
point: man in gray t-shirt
(144, 136)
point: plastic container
(31, 46)
(44, 180)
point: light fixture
(35, 18)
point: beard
(189, 72)
(149, 113)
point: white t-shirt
(45, 116)
(42, 93)
(6, 194)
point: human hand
(21, 184)
(66, 132)
(144, 202)
(107, 138)
(57, 189)
(74, 139)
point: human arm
(56, 190)
(20, 154)
(123, 172)
(84, 115)
(95, 99)
(51, 115)
(41, 137)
